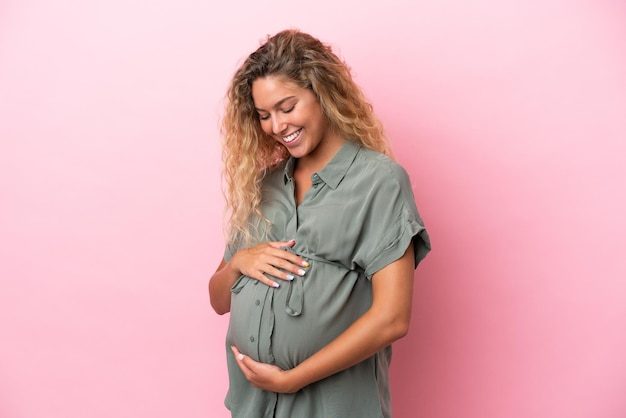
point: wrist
(293, 380)
(233, 264)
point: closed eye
(267, 116)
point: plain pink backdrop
(509, 116)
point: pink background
(510, 117)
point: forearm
(219, 287)
(368, 335)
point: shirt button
(257, 302)
(251, 339)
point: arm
(220, 285)
(254, 262)
(386, 321)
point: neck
(317, 160)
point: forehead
(269, 90)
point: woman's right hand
(257, 263)
(269, 258)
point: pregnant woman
(323, 239)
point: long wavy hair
(248, 152)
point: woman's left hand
(263, 376)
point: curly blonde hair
(248, 152)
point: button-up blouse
(358, 216)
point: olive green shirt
(358, 217)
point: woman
(323, 239)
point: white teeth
(292, 136)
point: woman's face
(293, 117)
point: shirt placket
(292, 224)
(255, 326)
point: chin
(297, 151)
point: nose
(279, 125)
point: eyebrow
(277, 105)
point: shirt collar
(334, 171)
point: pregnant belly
(286, 326)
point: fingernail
(301, 272)
(305, 264)
(240, 356)
(291, 241)
(290, 277)
(275, 284)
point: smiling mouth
(290, 138)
